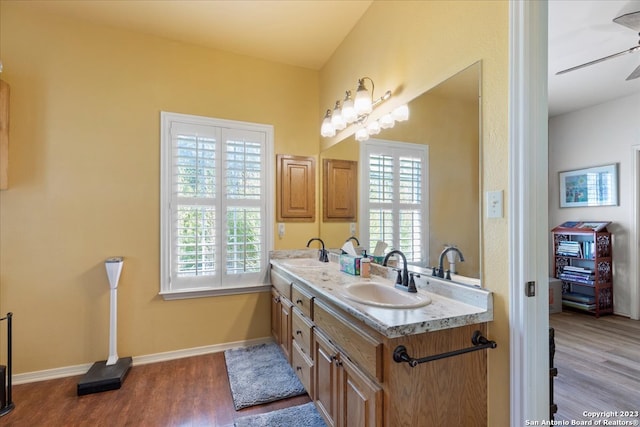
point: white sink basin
(381, 295)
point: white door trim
(528, 212)
(634, 255)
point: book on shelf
(577, 278)
(578, 297)
(584, 225)
(579, 305)
(569, 248)
(574, 268)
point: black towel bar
(479, 342)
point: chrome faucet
(440, 272)
(403, 279)
(324, 256)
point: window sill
(213, 292)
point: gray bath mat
(260, 374)
(301, 415)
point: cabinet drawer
(303, 368)
(360, 347)
(302, 330)
(302, 300)
(281, 284)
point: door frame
(528, 212)
(634, 255)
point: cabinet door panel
(325, 379)
(275, 315)
(285, 327)
(295, 188)
(360, 398)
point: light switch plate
(281, 229)
(352, 228)
(494, 204)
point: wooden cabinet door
(325, 379)
(295, 188)
(339, 190)
(285, 327)
(275, 315)
(360, 402)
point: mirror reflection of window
(396, 204)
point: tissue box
(378, 259)
(350, 264)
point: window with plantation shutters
(395, 197)
(215, 205)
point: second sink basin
(381, 295)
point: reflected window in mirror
(396, 204)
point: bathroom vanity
(340, 332)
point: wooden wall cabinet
(339, 190)
(4, 135)
(295, 188)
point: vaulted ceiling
(306, 33)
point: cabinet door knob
(298, 368)
(299, 301)
(298, 332)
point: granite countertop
(452, 305)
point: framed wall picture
(595, 186)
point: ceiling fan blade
(635, 74)
(630, 20)
(615, 55)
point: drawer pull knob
(298, 368)
(299, 301)
(298, 332)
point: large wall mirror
(447, 119)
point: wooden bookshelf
(583, 262)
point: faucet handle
(448, 276)
(399, 278)
(434, 271)
(412, 282)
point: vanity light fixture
(357, 111)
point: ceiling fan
(630, 20)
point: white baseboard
(69, 371)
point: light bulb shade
(327, 130)
(401, 113)
(362, 134)
(337, 120)
(348, 112)
(387, 122)
(362, 103)
(373, 128)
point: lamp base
(102, 377)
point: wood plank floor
(192, 391)
(598, 363)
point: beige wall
(411, 47)
(84, 183)
(84, 165)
